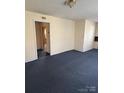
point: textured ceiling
(84, 9)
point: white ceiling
(84, 9)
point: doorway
(43, 38)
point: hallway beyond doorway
(43, 38)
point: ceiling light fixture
(70, 3)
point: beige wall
(30, 40)
(96, 34)
(79, 34)
(61, 34)
(64, 35)
(84, 35)
(96, 30)
(89, 35)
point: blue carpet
(68, 72)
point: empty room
(61, 46)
